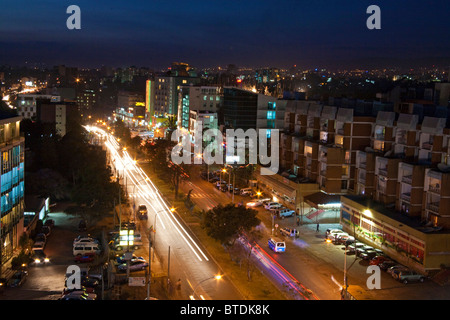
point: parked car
(236, 191)
(121, 259)
(135, 265)
(368, 254)
(18, 278)
(89, 282)
(219, 184)
(46, 230)
(345, 239)
(385, 265)
(246, 192)
(79, 295)
(50, 223)
(85, 289)
(407, 276)
(377, 260)
(283, 212)
(142, 212)
(85, 240)
(40, 237)
(336, 235)
(265, 200)
(85, 258)
(273, 205)
(394, 270)
(289, 232)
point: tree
(171, 125)
(226, 223)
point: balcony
(362, 178)
(362, 165)
(433, 206)
(383, 172)
(379, 136)
(340, 131)
(434, 188)
(406, 196)
(427, 145)
(407, 179)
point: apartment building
(12, 147)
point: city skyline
(205, 34)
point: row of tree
(68, 168)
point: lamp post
(216, 277)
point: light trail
(129, 168)
(283, 276)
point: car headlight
(37, 261)
(46, 260)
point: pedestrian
(317, 229)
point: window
(271, 115)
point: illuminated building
(12, 147)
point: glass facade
(12, 189)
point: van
(273, 205)
(277, 245)
(246, 192)
(86, 248)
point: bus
(277, 244)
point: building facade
(12, 147)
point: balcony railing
(433, 206)
(382, 171)
(362, 178)
(434, 188)
(427, 146)
(407, 179)
(406, 196)
(340, 131)
(379, 136)
(362, 165)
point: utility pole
(149, 264)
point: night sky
(153, 33)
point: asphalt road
(318, 265)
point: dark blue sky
(207, 33)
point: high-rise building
(26, 103)
(12, 147)
(201, 99)
(167, 86)
(86, 100)
(245, 109)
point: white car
(273, 205)
(38, 245)
(336, 235)
(83, 239)
(256, 203)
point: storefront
(401, 237)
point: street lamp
(216, 277)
